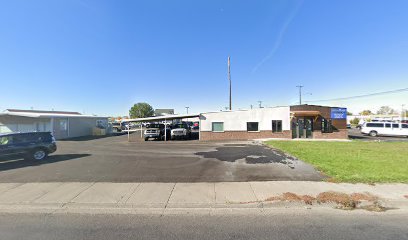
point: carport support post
(128, 131)
(165, 130)
(141, 130)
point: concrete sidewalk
(161, 197)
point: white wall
(237, 120)
(23, 124)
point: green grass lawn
(355, 161)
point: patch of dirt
(292, 197)
(344, 201)
(375, 207)
(405, 196)
(363, 197)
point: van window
(387, 125)
(378, 125)
(404, 125)
(395, 125)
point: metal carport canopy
(167, 117)
(151, 119)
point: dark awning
(305, 113)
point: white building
(61, 124)
(246, 124)
(298, 121)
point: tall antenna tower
(300, 94)
(229, 79)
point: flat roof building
(299, 121)
(61, 123)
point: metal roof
(167, 117)
(46, 115)
(41, 111)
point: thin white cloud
(279, 39)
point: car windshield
(179, 125)
(154, 125)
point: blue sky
(100, 57)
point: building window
(327, 126)
(63, 124)
(276, 125)
(218, 127)
(102, 123)
(252, 126)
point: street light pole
(187, 109)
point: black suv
(32, 145)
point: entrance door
(308, 127)
(303, 128)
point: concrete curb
(258, 207)
(185, 197)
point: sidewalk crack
(64, 204)
(167, 202)
(261, 205)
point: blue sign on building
(338, 113)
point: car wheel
(373, 134)
(38, 154)
(146, 139)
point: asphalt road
(114, 159)
(281, 224)
(355, 133)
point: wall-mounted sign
(338, 113)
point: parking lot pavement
(355, 133)
(114, 159)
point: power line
(362, 96)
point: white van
(385, 128)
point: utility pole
(229, 79)
(251, 106)
(187, 109)
(300, 94)
(260, 104)
(402, 112)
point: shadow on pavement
(88, 138)
(18, 162)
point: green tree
(349, 113)
(366, 112)
(355, 121)
(386, 110)
(141, 110)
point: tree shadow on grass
(18, 162)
